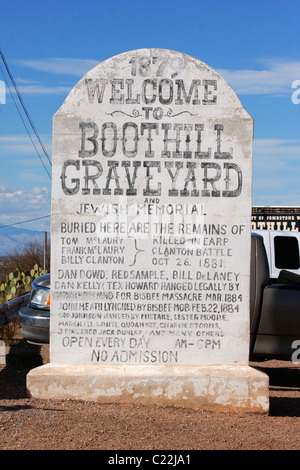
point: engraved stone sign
(151, 220)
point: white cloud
(43, 90)
(15, 197)
(21, 144)
(61, 66)
(274, 153)
(24, 81)
(19, 205)
(275, 78)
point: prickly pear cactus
(18, 283)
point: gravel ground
(33, 424)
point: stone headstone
(151, 225)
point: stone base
(216, 388)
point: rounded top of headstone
(155, 77)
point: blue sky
(50, 45)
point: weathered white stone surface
(215, 388)
(151, 215)
(151, 211)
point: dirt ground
(33, 424)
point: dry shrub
(9, 330)
(25, 258)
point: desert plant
(18, 283)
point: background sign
(276, 218)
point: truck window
(286, 252)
